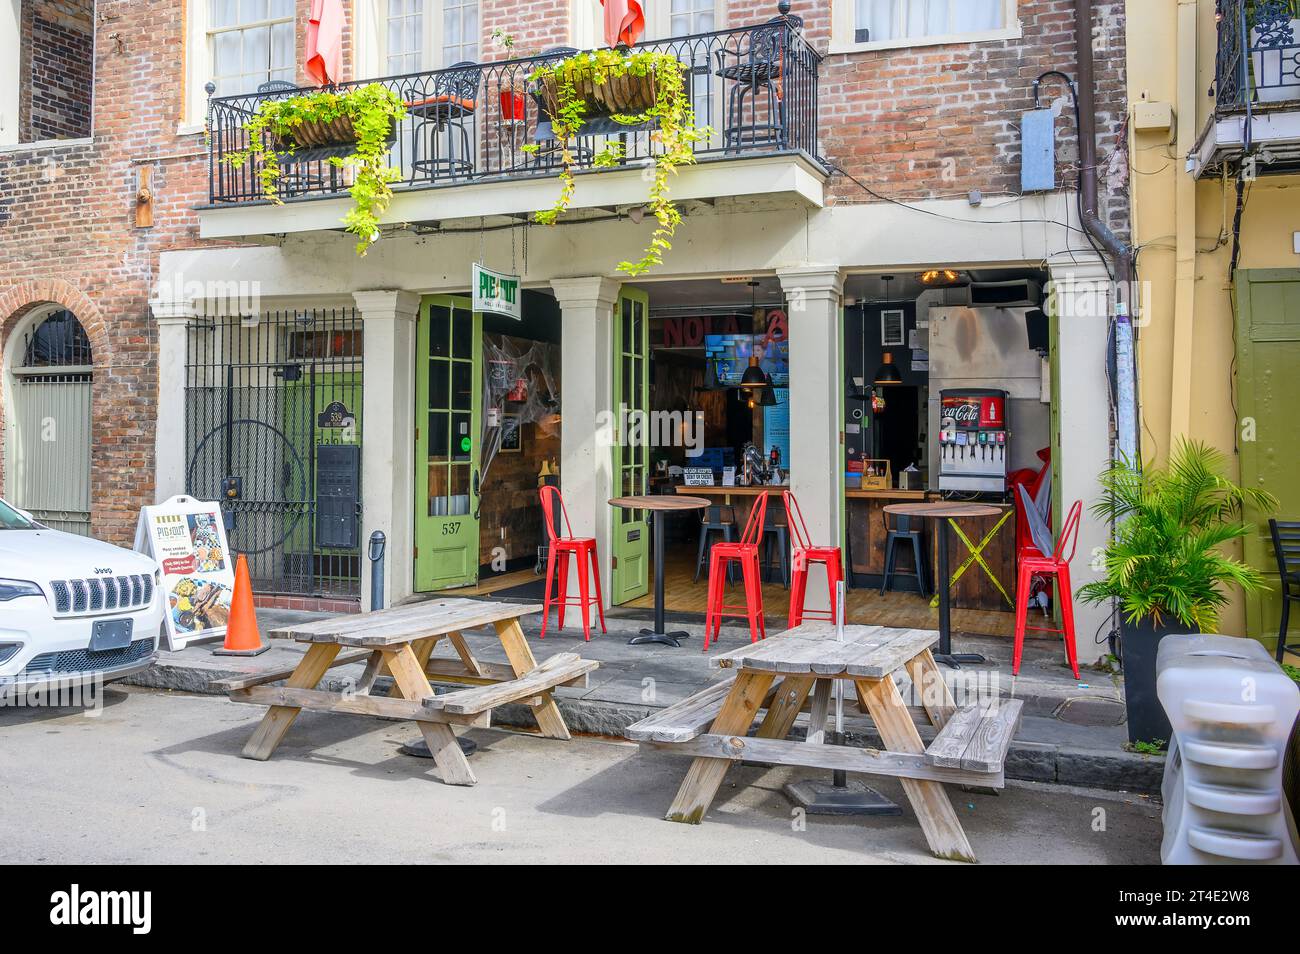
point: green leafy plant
(602, 75)
(1165, 559)
(1154, 747)
(371, 112)
(1293, 672)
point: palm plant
(1165, 559)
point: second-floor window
(417, 35)
(867, 24)
(249, 43)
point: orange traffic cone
(242, 637)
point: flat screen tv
(727, 357)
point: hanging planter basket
(318, 134)
(603, 92)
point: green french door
(631, 547)
(448, 406)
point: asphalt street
(156, 777)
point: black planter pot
(1139, 643)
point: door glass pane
(438, 436)
(462, 385)
(439, 379)
(458, 498)
(439, 332)
(462, 339)
(225, 51)
(462, 441)
(438, 490)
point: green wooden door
(631, 549)
(1268, 393)
(448, 405)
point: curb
(1109, 769)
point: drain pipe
(1118, 250)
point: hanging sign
(188, 539)
(497, 293)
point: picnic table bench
(399, 642)
(785, 675)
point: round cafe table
(943, 511)
(658, 505)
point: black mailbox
(338, 496)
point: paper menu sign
(188, 539)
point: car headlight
(12, 589)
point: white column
(1082, 297)
(173, 318)
(586, 391)
(814, 295)
(388, 436)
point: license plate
(110, 634)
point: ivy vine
(674, 131)
(373, 111)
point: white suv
(72, 609)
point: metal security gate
(50, 459)
(273, 432)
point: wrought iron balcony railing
(754, 87)
(1258, 62)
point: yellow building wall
(1186, 344)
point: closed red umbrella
(324, 60)
(624, 22)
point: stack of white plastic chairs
(1232, 710)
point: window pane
(257, 50)
(225, 13)
(458, 498)
(281, 46)
(225, 54)
(281, 8)
(972, 15)
(462, 441)
(250, 11)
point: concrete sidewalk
(1072, 732)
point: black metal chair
(1286, 550)
(716, 519)
(903, 529)
(757, 68)
(296, 178)
(447, 111)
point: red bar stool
(583, 550)
(1034, 562)
(746, 553)
(805, 553)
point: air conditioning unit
(1023, 293)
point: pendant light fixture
(887, 373)
(754, 376)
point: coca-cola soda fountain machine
(973, 440)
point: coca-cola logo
(965, 413)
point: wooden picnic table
(399, 642)
(713, 725)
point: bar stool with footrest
(715, 519)
(1047, 560)
(805, 553)
(583, 550)
(903, 529)
(776, 533)
(745, 551)
(1286, 548)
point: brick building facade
(910, 123)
